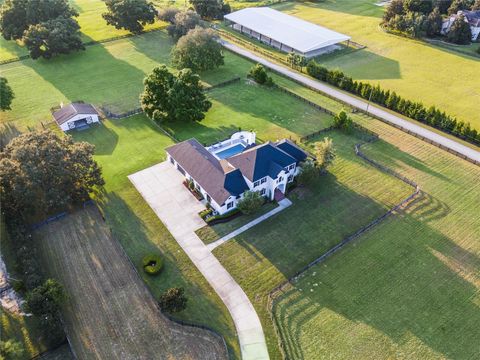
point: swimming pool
(230, 151)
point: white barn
(285, 32)
(75, 116)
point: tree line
(49, 28)
(419, 18)
(389, 99)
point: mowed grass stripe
(410, 288)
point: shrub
(173, 300)
(204, 213)
(152, 264)
(342, 121)
(223, 216)
(308, 173)
(251, 202)
(325, 154)
(259, 74)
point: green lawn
(108, 74)
(351, 195)
(408, 289)
(414, 69)
(124, 147)
(210, 233)
(93, 27)
(271, 113)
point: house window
(230, 205)
(256, 183)
(263, 191)
(264, 180)
(172, 161)
(290, 178)
(280, 179)
(209, 199)
(291, 167)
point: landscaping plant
(152, 264)
(259, 74)
(173, 300)
(251, 202)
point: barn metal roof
(289, 30)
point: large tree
(16, 16)
(41, 172)
(324, 154)
(433, 24)
(6, 95)
(210, 9)
(458, 5)
(199, 50)
(460, 32)
(168, 14)
(131, 15)
(167, 97)
(53, 37)
(422, 6)
(182, 23)
(394, 8)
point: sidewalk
(283, 204)
(161, 187)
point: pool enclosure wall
(245, 138)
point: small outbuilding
(76, 116)
(285, 32)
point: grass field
(408, 289)
(93, 27)
(416, 70)
(337, 205)
(109, 312)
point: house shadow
(420, 277)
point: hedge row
(415, 110)
(214, 219)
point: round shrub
(152, 264)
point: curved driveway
(161, 187)
(360, 104)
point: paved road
(283, 204)
(161, 187)
(360, 104)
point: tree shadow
(92, 76)
(103, 137)
(156, 45)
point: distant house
(285, 32)
(471, 17)
(224, 171)
(75, 116)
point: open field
(93, 27)
(109, 312)
(408, 289)
(269, 112)
(414, 69)
(351, 195)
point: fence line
(275, 292)
(57, 217)
(223, 83)
(88, 43)
(169, 317)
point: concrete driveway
(161, 186)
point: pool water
(230, 151)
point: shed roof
(69, 111)
(289, 30)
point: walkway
(161, 187)
(360, 104)
(283, 204)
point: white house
(75, 116)
(224, 171)
(471, 17)
(285, 32)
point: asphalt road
(361, 104)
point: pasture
(414, 69)
(410, 287)
(109, 312)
